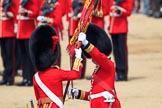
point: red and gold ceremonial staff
(83, 23)
(73, 16)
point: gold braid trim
(89, 48)
(98, 12)
(77, 64)
(44, 105)
(82, 95)
(87, 3)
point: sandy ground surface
(144, 86)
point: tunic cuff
(89, 47)
(77, 64)
(82, 95)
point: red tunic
(120, 24)
(7, 25)
(53, 78)
(26, 26)
(106, 73)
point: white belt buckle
(109, 99)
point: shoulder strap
(48, 92)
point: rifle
(24, 2)
(77, 6)
(6, 4)
(117, 2)
(48, 7)
(86, 15)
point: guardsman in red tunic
(27, 13)
(118, 29)
(48, 81)
(102, 93)
(7, 40)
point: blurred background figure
(147, 7)
(151, 8)
(118, 29)
(137, 6)
(7, 40)
(155, 8)
(27, 12)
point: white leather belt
(19, 17)
(4, 18)
(107, 95)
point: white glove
(114, 14)
(114, 7)
(10, 14)
(41, 18)
(116, 11)
(82, 38)
(73, 93)
(78, 52)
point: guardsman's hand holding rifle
(22, 9)
(23, 13)
(5, 5)
(48, 7)
(116, 10)
(77, 7)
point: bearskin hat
(99, 38)
(43, 47)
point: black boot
(4, 82)
(121, 75)
(25, 83)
